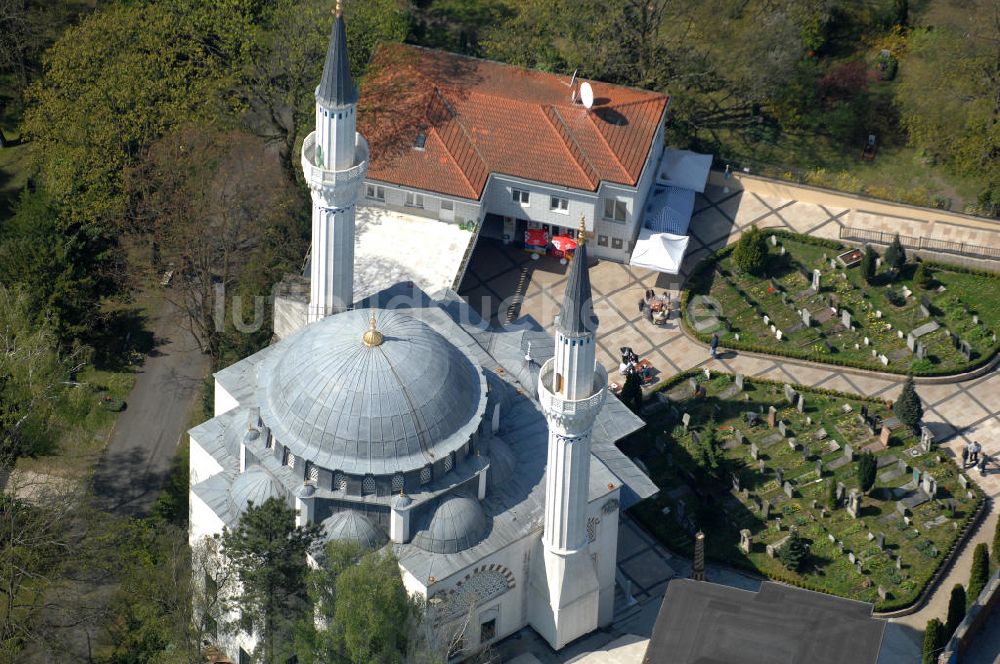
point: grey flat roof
(706, 623)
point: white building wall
(605, 549)
(204, 522)
(498, 198)
(224, 401)
(394, 198)
(202, 465)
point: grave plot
(750, 461)
(809, 304)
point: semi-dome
(352, 526)
(502, 463)
(255, 485)
(378, 396)
(458, 523)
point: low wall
(977, 615)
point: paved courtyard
(503, 281)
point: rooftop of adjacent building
(443, 122)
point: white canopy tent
(663, 252)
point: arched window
(397, 482)
(449, 462)
(339, 481)
(312, 472)
(368, 484)
(425, 475)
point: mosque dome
(255, 485)
(352, 526)
(458, 523)
(371, 393)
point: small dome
(502, 463)
(252, 434)
(255, 485)
(457, 524)
(352, 526)
(306, 491)
(401, 501)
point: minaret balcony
(585, 408)
(318, 177)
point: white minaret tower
(334, 161)
(571, 389)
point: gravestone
(773, 549)
(735, 477)
(925, 306)
(845, 318)
(852, 557)
(848, 452)
(883, 594)
(774, 240)
(854, 503)
(926, 439)
(782, 250)
(767, 320)
(781, 428)
(883, 438)
(965, 349)
(707, 372)
(696, 437)
(746, 541)
(820, 435)
(963, 480)
(899, 562)
(929, 485)
(867, 341)
(815, 281)
(911, 341)
(752, 418)
(884, 360)
(790, 393)
(801, 404)
(765, 511)
(754, 452)
(819, 467)
(738, 379)
(779, 476)
(778, 335)
(921, 351)
(806, 317)
(686, 420)
(809, 420)
(738, 435)
(975, 320)
(693, 384)
(761, 465)
(772, 416)
(787, 486)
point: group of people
(630, 364)
(653, 308)
(973, 455)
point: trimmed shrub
(895, 255)
(867, 466)
(750, 254)
(934, 640)
(956, 609)
(923, 277)
(794, 553)
(980, 572)
(868, 264)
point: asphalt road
(129, 476)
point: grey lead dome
(394, 407)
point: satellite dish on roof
(586, 94)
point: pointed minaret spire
(336, 88)
(577, 315)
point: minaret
(571, 389)
(334, 161)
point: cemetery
(812, 301)
(758, 465)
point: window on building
(602, 240)
(488, 631)
(312, 472)
(447, 205)
(368, 484)
(520, 196)
(557, 204)
(413, 200)
(425, 475)
(616, 243)
(615, 209)
(375, 192)
(397, 482)
(339, 482)
(420, 141)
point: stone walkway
(957, 413)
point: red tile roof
(481, 117)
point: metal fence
(920, 243)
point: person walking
(642, 306)
(714, 345)
(965, 456)
(982, 465)
(974, 452)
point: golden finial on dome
(339, 9)
(372, 337)
(581, 237)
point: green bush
(980, 572)
(750, 253)
(996, 542)
(923, 277)
(867, 466)
(895, 255)
(794, 552)
(868, 263)
(956, 609)
(934, 640)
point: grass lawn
(692, 497)
(964, 307)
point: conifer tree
(793, 554)
(934, 639)
(867, 467)
(956, 609)
(907, 407)
(895, 255)
(750, 253)
(868, 264)
(980, 572)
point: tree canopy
(907, 407)
(750, 253)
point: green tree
(114, 83)
(908, 407)
(956, 609)
(831, 494)
(996, 542)
(980, 572)
(750, 253)
(868, 269)
(867, 467)
(794, 552)
(895, 254)
(631, 394)
(66, 268)
(268, 552)
(707, 448)
(923, 277)
(934, 640)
